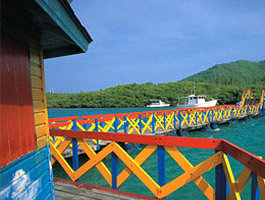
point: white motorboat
(157, 103)
(193, 100)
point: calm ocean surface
(247, 134)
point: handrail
(254, 166)
(254, 163)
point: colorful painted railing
(153, 122)
(226, 186)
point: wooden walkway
(79, 191)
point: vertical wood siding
(17, 135)
(39, 97)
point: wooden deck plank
(64, 191)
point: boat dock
(81, 191)
(174, 122)
(87, 134)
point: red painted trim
(89, 121)
(89, 187)
(201, 143)
(63, 118)
(251, 161)
(59, 124)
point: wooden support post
(75, 149)
(140, 124)
(153, 123)
(125, 124)
(196, 117)
(165, 117)
(161, 165)
(175, 121)
(116, 125)
(114, 171)
(180, 119)
(254, 187)
(96, 129)
(220, 182)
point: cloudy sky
(138, 41)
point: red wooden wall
(17, 133)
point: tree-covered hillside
(241, 72)
(137, 95)
(225, 82)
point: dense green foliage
(241, 72)
(225, 82)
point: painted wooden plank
(203, 185)
(91, 163)
(22, 167)
(202, 143)
(45, 191)
(42, 141)
(41, 130)
(40, 118)
(36, 82)
(35, 69)
(100, 166)
(34, 58)
(190, 175)
(38, 106)
(136, 169)
(140, 158)
(36, 184)
(230, 177)
(37, 95)
(261, 183)
(241, 181)
(62, 161)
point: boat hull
(158, 106)
(206, 104)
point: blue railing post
(140, 124)
(161, 165)
(254, 187)
(165, 124)
(75, 149)
(180, 119)
(212, 115)
(125, 124)
(196, 117)
(114, 171)
(153, 123)
(175, 121)
(220, 182)
(96, 129)
(116, 125)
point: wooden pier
(68, 190)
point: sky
(159, 41)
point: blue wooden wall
(29, 177)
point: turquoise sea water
(248, 134)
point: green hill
(225, 82)
(241, 72)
